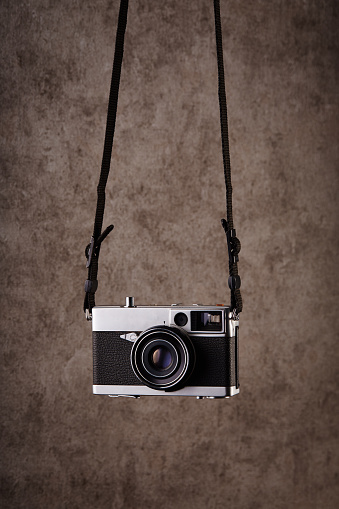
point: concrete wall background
(275, 445)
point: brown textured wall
(275, 445)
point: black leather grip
(215, 366)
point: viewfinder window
(210, 321)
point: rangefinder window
(202, 321)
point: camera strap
(92, 251)
(93, 248)
(233, 243)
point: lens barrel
(163, 358)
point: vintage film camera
(165, 350)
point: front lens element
(161, 358)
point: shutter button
(129, 302)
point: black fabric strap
(93, 249)
(233, 242)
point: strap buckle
(94, 245)
(234, 281)
(91, 284)
(233, 243)
(89, 252)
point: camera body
(165, 350)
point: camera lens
(161, 358)
(180, 319)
